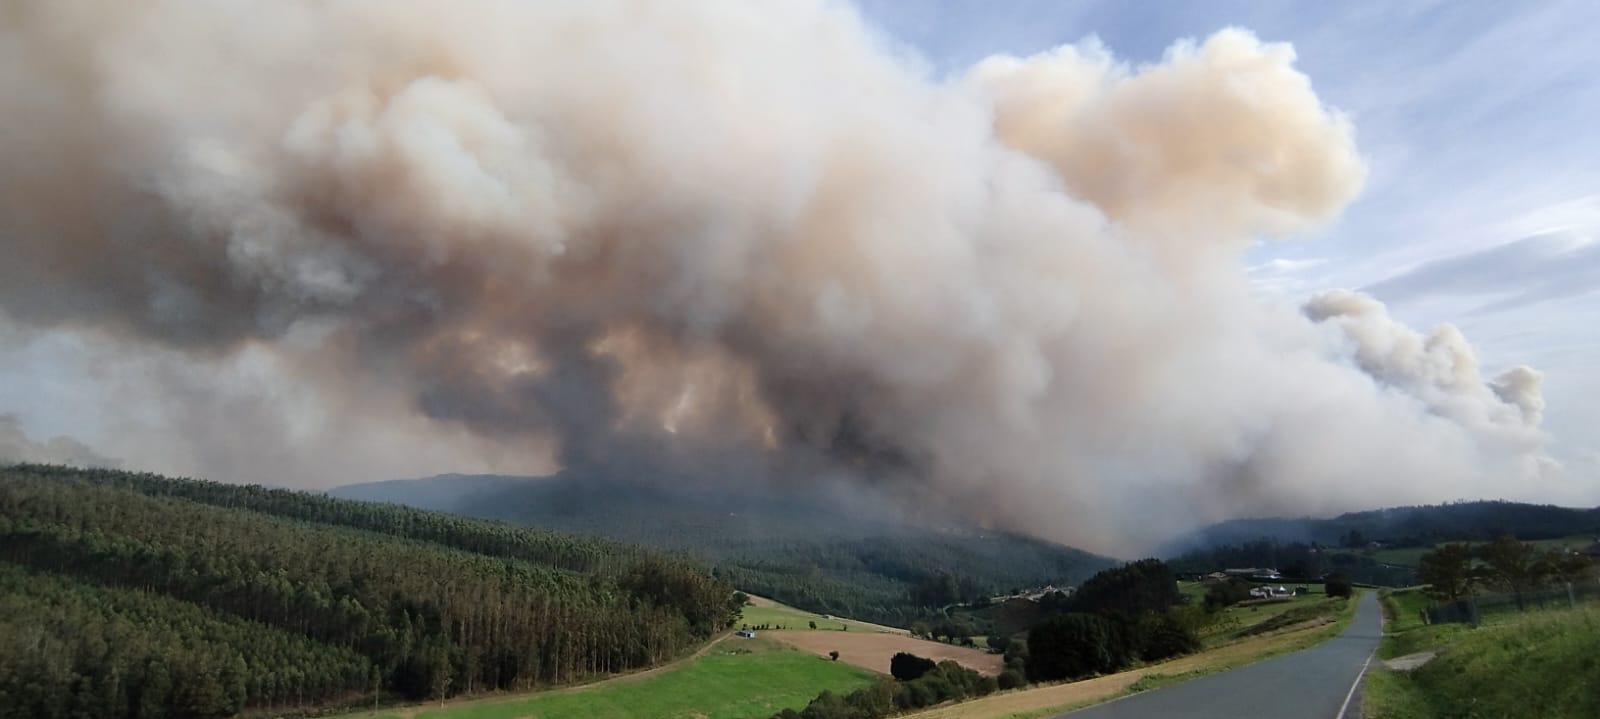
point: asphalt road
(1312, 683)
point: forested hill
(136, 595)
(1368, 546)
(826, 555)
(1403, 526)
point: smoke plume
(746, 240)
(16, 447)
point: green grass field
(1402, 556)
(737, 679)
(1195, 592)
(1534, 664)
(1406, 632)
(1410, 556)
(780, 616)
(1247, 619)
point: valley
(174, 597)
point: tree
(1571, 567)
(1147, 585)
(906, 667)
(1072, 646)
(1514, 564)
(813, 624)
(205, 599)
(1227, 593)
(1338, 585)
(1158, 636)
(1447, 571)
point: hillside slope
(1417, 525)
(1378, 546)
(129, 594)
(821, 555)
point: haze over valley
(798, 359)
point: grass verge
(1538, 664)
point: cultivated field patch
(873, 651)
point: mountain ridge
(850, 555)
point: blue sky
(1478, 121)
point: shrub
(1338, 585)
(1160, 636)
(1017, 649)
(906, 667)
(1012, 679)
(834, 655)
(944, 682)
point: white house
(1271, 592)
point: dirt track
(873, 651)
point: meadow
(1539, 663)
(1410, 556)
(1257, 617)
(734, 679)
(765, 612)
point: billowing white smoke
(735, 238)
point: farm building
(1270, 592)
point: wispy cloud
(1285, 277)
(1549, 266)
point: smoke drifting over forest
(753, 240)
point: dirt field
(872, 651)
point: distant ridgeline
(1310, 547)
(137, 595)
(825, 556)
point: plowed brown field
(873, 651)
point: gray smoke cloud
(16, 447)
(728, 239)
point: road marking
(1348, 695)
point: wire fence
(1472, 610)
